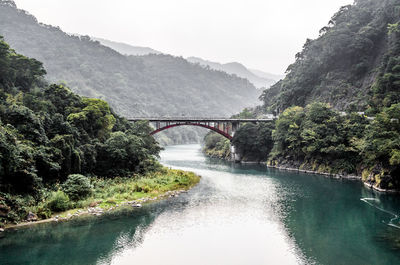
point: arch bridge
(225, 127)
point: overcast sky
(262, 34)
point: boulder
(31, 217)
(4, 210)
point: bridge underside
(223, 128)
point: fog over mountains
(154, 84)
(258, 78)
(126, 49)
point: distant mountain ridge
(258, 78)
(126, 49)
(154, 84)
(267, 75)
(264, 81)
(148, 85)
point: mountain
(256, 77)
(238, 69)
(126, 49)
(149, 85)
(153, 84)
(354, 65)
(267, 75)
(351, 68)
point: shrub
(43, 212)
(77, 187)
(58, 201)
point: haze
(261, 34)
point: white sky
(261, 34)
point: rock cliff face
(353, 65)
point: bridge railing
(198, 119)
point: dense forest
(338, 106)
(353, 65)
(133, 85)
(149, 85)
(54, 145)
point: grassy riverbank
(104, 195)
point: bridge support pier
(234, 156)
(224, 126)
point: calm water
(238, 214)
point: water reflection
(87, 241)
(238, 214)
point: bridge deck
(198, 119)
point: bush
(58, 201)
(43, 212)
(77, 187)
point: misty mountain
(153, 84)
(238, 69)
(256, 77)
(267, 75)
(353, 65)
(126, 49)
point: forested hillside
(353, 65)
(48, 134)
(133, 85)
(239, 70)
(126, 49)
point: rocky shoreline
(336, 176)
(95, 210)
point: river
(237, 214)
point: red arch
(226, 135)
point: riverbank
(328, 171)
(111, 194)
(296, 167)
(336, 176)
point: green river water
(237, 214)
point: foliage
(352, 65)
(152, 184)
(216, 145)
(58, 201)
(77, 187)
(133, 85)
(254, 141)
(317, 134)
(48, 133)
(381, 147)
(319, 138)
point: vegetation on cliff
(353, 66)
(134, 86)
(48, 134)
(321, 139)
